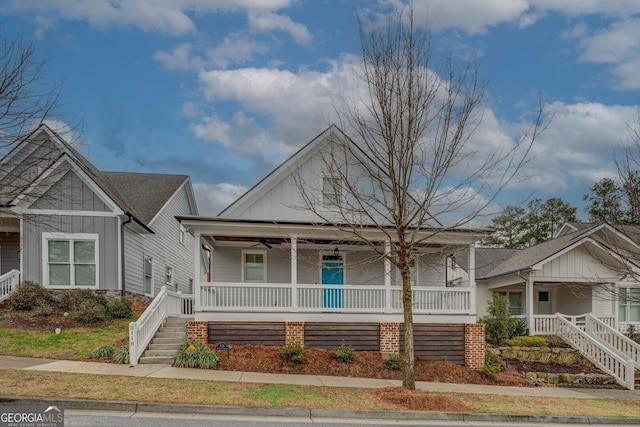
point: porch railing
(166, 303)
(618, 342)
(604, 358)
(9, 283)
(321, 298)
(546, 324)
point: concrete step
(158, 360)
(164, 353)
(161, 340)
(171, 334)
(154, 346)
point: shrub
(345, 353)
(633, 333)
(500, 325)
(90, 312)
(524, 341)
(30, 295)
(119, 308)
(492, 363)
(193, 354)
(394, 362)
(121, 355)
(292, 353)
(104, 351)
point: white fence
(8, 284)
(166, 303)
(600, 355)
(323, 298)
(616, 341)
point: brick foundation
(294, 332)
(389, 338)
(474, 345)
(198, 331)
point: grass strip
(27, 383)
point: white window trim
(182, 234)
(144, 262)
(627, 305)
(341, 196)
(522, 302)
(245, 252)
(343, 254)
(46, 236)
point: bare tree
(27, 100)
(415, 161)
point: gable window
(254, 266)
(629, 305)
(331, 192)
(70, 260)
(148, 275)
(515, 301)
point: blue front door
(332, 274)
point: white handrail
(618, 342)
(166, 303)
(601, 356)
(9, 283)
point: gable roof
(141, 195)
(144, 194)
(285, 168)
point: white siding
(574, 301)
(483, 296)
(164, 247)
(602, 302)
(575, 263)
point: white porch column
(197, 248)
(387, 277)
(294, 273)
(528, 291)
(472, 278)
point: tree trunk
(408, 366)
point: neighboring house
(585, 268)
(65, 224)
(273, 272)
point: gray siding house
(65, 224)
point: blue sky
(224, 90)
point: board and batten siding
(283, 199)
(164, 247)
(105, 227)
(575, 263)
(70, 193)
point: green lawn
(77, 343)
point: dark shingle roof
(143, 193)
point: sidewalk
(166, 371)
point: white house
(273, 272)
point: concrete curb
(149, 407)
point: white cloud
(178, 59)
(164, 16)
(213, 198)
(269, 21)
(236, 48)
(577, 147)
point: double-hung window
(331, 192)
(147, 271)
(70, 260)
(254, 266)
(629, 304)
(515, 301)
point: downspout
(529, 302)
(129, 219)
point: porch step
(166, 343)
